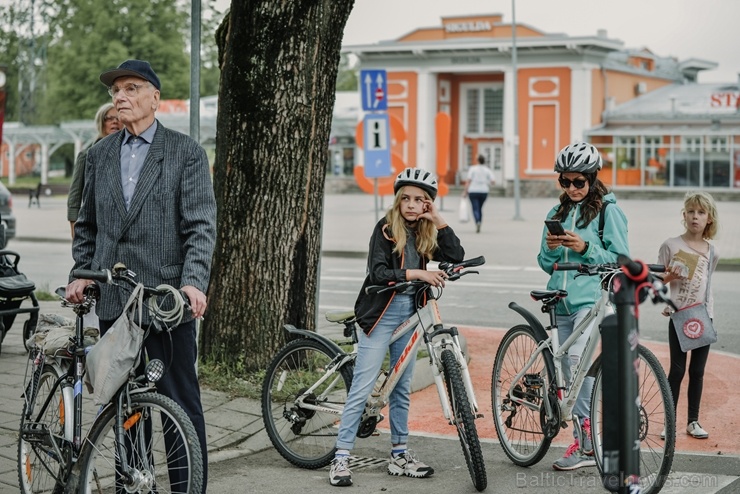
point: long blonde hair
(426, 232)
(705, 201)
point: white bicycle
(531, 402)
(307, 383)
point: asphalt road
(481, 300)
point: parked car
(6, 214)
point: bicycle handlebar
(593, 269)
(104, 275)
(637, 271)
(121, 273)
(454, 271)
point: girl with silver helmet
(582, 210)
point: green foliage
(347, 76)
(20, 52)
(78, 39)
(96, 36)
(44, 295)
(222, 378)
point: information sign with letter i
(377, 145)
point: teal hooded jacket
(584, 291)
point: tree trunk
(279, 63)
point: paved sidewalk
(235, 425)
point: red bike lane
(719, 401)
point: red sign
(379, 94)
(725, 100)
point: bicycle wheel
(45, 433)
(522, 428)
(161, 445)
(656, 416)
(464, 420)
(304, 437)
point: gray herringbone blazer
(169, 232)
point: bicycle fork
(434, 361)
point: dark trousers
(476, 201)
(178, 351)
(698, 362)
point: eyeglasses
(110, 118)
(578, 183)
(130, 90)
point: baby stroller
(15, 288)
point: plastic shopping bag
(464, 211)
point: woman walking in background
(477, 186)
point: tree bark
(279, 63)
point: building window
(718, 144)
(692, 144)
(473, 112)
(651, 147)
(493, 110)
(468, 156)
(485, 110)
(626, 153)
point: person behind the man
(106, 121)
(148, 202)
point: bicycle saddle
(548, 296)
(339, 315)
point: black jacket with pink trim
(384, 267)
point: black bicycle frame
(620, 410)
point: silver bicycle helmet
(418, 178)
(578, 157)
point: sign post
(2, 111)
(377, 132)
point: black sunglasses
(565, 183)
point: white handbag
(464, 211)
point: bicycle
(307, 382)
(531, 402)
(126, 448)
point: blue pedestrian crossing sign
(377, 145)
(374, 90)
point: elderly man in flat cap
(148, 202)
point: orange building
(565, 86)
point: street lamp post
(195, 19)
(517, 215)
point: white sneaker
(407, 464)
(339, 473)
(694, 430)
(662, 434)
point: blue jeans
(370, 355)
(477, 199)
(566, 324)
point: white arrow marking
(368, 90)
